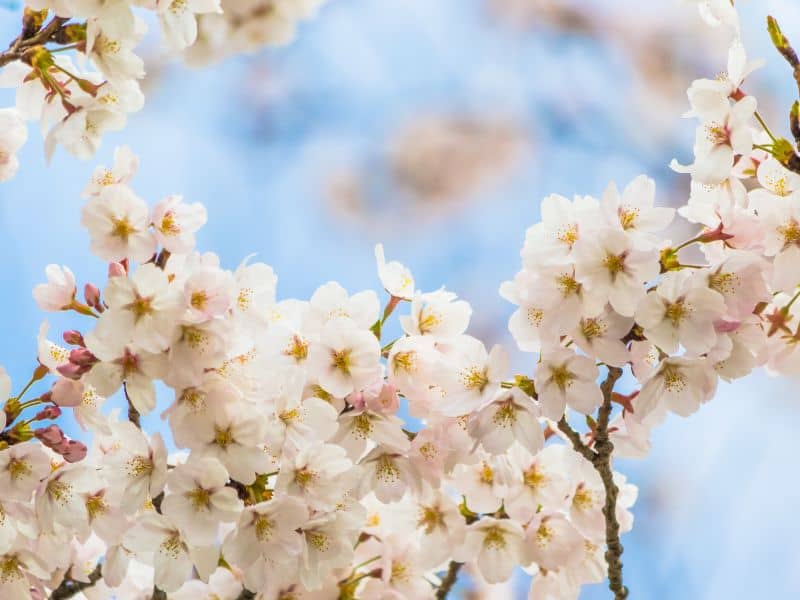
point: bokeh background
(437, 128)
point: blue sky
(258, 139)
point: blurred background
(437, 128)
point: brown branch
(602, 463)
(133, 414)
(781, 148)
(245, 594)
(449, 580)
(69, 587)
(17, 48)
(600, 458)
(577, 443)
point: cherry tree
(295, 475)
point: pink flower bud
(92, 295)
(356, 400)
(82, 357)
(116, 269)
(726, 326)
(72, 371)
(50, 436)
(73, 338)
(50, 412)
(75, 451)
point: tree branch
(577, 443)
(17, 48)
(133, 414)
(600, 458)
(449, 580)
(602, 463)
(69, 587)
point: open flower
(563, 379)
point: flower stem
(764, 125)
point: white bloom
(173, 557)
(543, 482)
(59, 291)
(332, 302)
(471, 376)
(208, 293)
(387, 474)
(562, 225)
(437, 314)
(22, 466)
(484, 483)
(117, 221)
(345, 358)
(143, 309)
(234, 434)
(135, 465)
(255, 293)
(13, 135)
(198, 499)
(294, 420)
(396, 278)
(267, 529)
(633, 210)
(612, 270)
(552, 542)
(179, 21)
(120, 363)
(717, 142)
(125, 165)
(680, 384)
(681, 310)
(319, 474)
(601, 337)
(175, 223)
(494, 546)
(709, 98)
(512, 416)
(563, 379)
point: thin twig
(17, 48)
(69, 587)
(449, 580)
(577, 443)
(133, 414)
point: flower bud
(356, 400)
(50, 436)
(72, 371)
(92, 295)
(75, 451)
(82, 357)
(73, 338)
(116, 269)
(48, 413)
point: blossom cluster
(302, 454)
(294, 469)
(79, 73)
